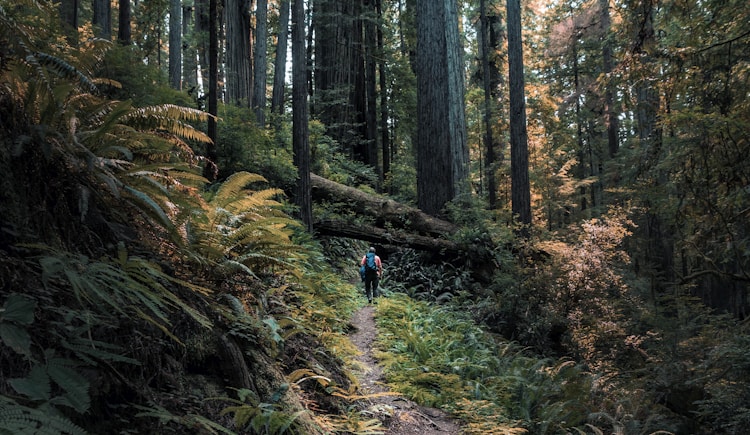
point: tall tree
(442, 152)
(489, 42)
(385, 139)
(124, 34)
(260, 56)
(190, 67)
(279, 69)
(339, 99)
(238, 52)
(519, 148)
(370, 30)
(210, 170)
(102, 19)
(201, 36)
(69, 13)
(611, 121)
(300, 133)
(175, 44)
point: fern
(127, 285)
(16, 419)
(262, 418)
(191, 422)
(245, 229)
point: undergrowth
(439, 357)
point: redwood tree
(519, 149)
(300, 134)
(442, 152)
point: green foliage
(243, 147)
(126, 285)
(259, 417)
(439, 357)
(188, 421)
(17, 419)
(244, 229)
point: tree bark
(69, 15)
(238, 49)
(190, 68)
(102, 19)
(123, 23)
(175, 44)
(519, 148)
(279, 69)
(382, 209)
(300, 132)
(260, 70)
(442, 151)
(369, 233)
(210, 171)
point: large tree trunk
(339, 99)
(442, 152)
(238, 68)
(519, 148)
(382, 209)
(373, 234)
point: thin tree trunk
(202, 18)
(385, 138)
(370, 39)
(519, 150)
(279, 74)
(175, 44)
(190, 67)
(611, 116)
(300, 135)
(210, 171)
(261, 70)
(489, 142)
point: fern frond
(234, 187)
(18, 419)
(65, 70)
(155, 211)
(169, 117)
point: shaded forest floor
(399, 415)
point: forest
(559, 192)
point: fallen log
(384, 210)
(386, 237)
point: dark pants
(371, 284)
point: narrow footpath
(399, 415)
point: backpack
(369, 265)
(370, 262)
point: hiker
(372, 269)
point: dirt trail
(399, 415)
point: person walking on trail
(373, 270)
